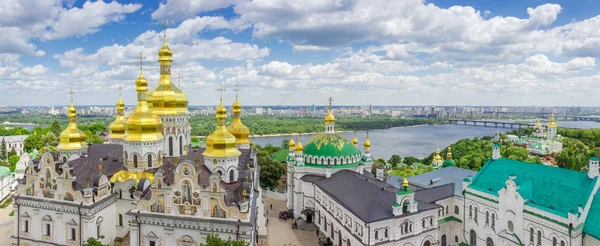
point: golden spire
(299, 147)
(449, 153)
(221, 143)
(167, 98)
(437, 156)
(552, 122)
(142, 124)
(72, 138)
(237, 128)
(367, 143)
(117, 128)
(291, 143)
(354, 140)
(330, 118)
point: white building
(15, 142)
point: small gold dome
(405, 182)
(552, 122)
(117, 128)
(355, 140)
(143, 125)
(237, 128)
(329, 118)
(367, 143)
(221, 143)
(299, 147)
(449, 154)
(291, 143)
(72, 138)
(437, 156)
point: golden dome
(329, 118)
(221, 143)
(291, 143)
(117, 128)
(166, 98)
(405, 182)
(237, 128)
(299, 147)
(552, 122)
(449, 154)
(354, 140)
(437, 156)
(72, 138)
(367, 143)
(143, 125)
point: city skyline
(520, 53)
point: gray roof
(16, 138)
(369, 199)
(447, 175)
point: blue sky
(381, 52)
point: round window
(511, 227)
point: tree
(395, 160)
(93, 242)
(376, 164)
(50, 139)
(284, 144)
(213, 239)
(33, 141)
(55, 128)
(270, 171)
(409, 160)
(3, 154)
(12, 151)
(12, 162)
(195, 140)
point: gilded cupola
(221, 143)
(355, 140)
(142, 125)
(299, 148)
(437, 156)
(72, 138)
(237, 128)
(117, 128)
(367, 143)
(552, 122)
(291, 143)
(166, 98)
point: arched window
(427, 243)
(489, 242)
(328, 161)
(231, 175)
(170, 146)
(64, 159)
(487, 217)
(335, 161)
(475, 213)
(120, 220)
(443, 240)
(180, 145)
(473, 238)
(135, 164)
(531, 235)
(385, 234)
(493, 220)
(456, 239)
(431, 221)
(125, 154)
(348, 242)
(554, 242)
(456, 210)
(539, 238)
(376, 235)
(423, 223)
(149, 160)
(470, 211)
(46, 221)
(98, 224)
(562, 243)
(446, 209)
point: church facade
(147, 185)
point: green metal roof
(592, 223)
(4, 171)
(552, 189)
(593, 158)
(330, 145)
(281, 156)
(448, 163)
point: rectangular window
(26, 227)
(47, 230)
(73, 237)
(120, 220)
(98, 231)
(152, 243)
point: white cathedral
(147, 185)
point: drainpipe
(237, 232)
(464, 216)
(571, 229)
(79, 211)
(368, 235)
(18, 220)
(137, 216)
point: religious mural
(216, 210)
(159, 205)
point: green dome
(448, 163)
(330, 145)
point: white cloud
(182, 9)
(34, 70)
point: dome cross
(71, 92)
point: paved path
(6, 225)
(280, 231)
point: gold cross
(72, 93)
(179, 78)
(221, 89)
(165, 29)
(330, 100)
(120, 87)
(141, 58)
(236, 92)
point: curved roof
(330, 145)
(449, 163)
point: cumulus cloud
(182, 9)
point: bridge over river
(490, 123)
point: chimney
(380, 173)
(593, 168)
(328, 171)
(496, 152)
(361, 168)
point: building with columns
(148, 186)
